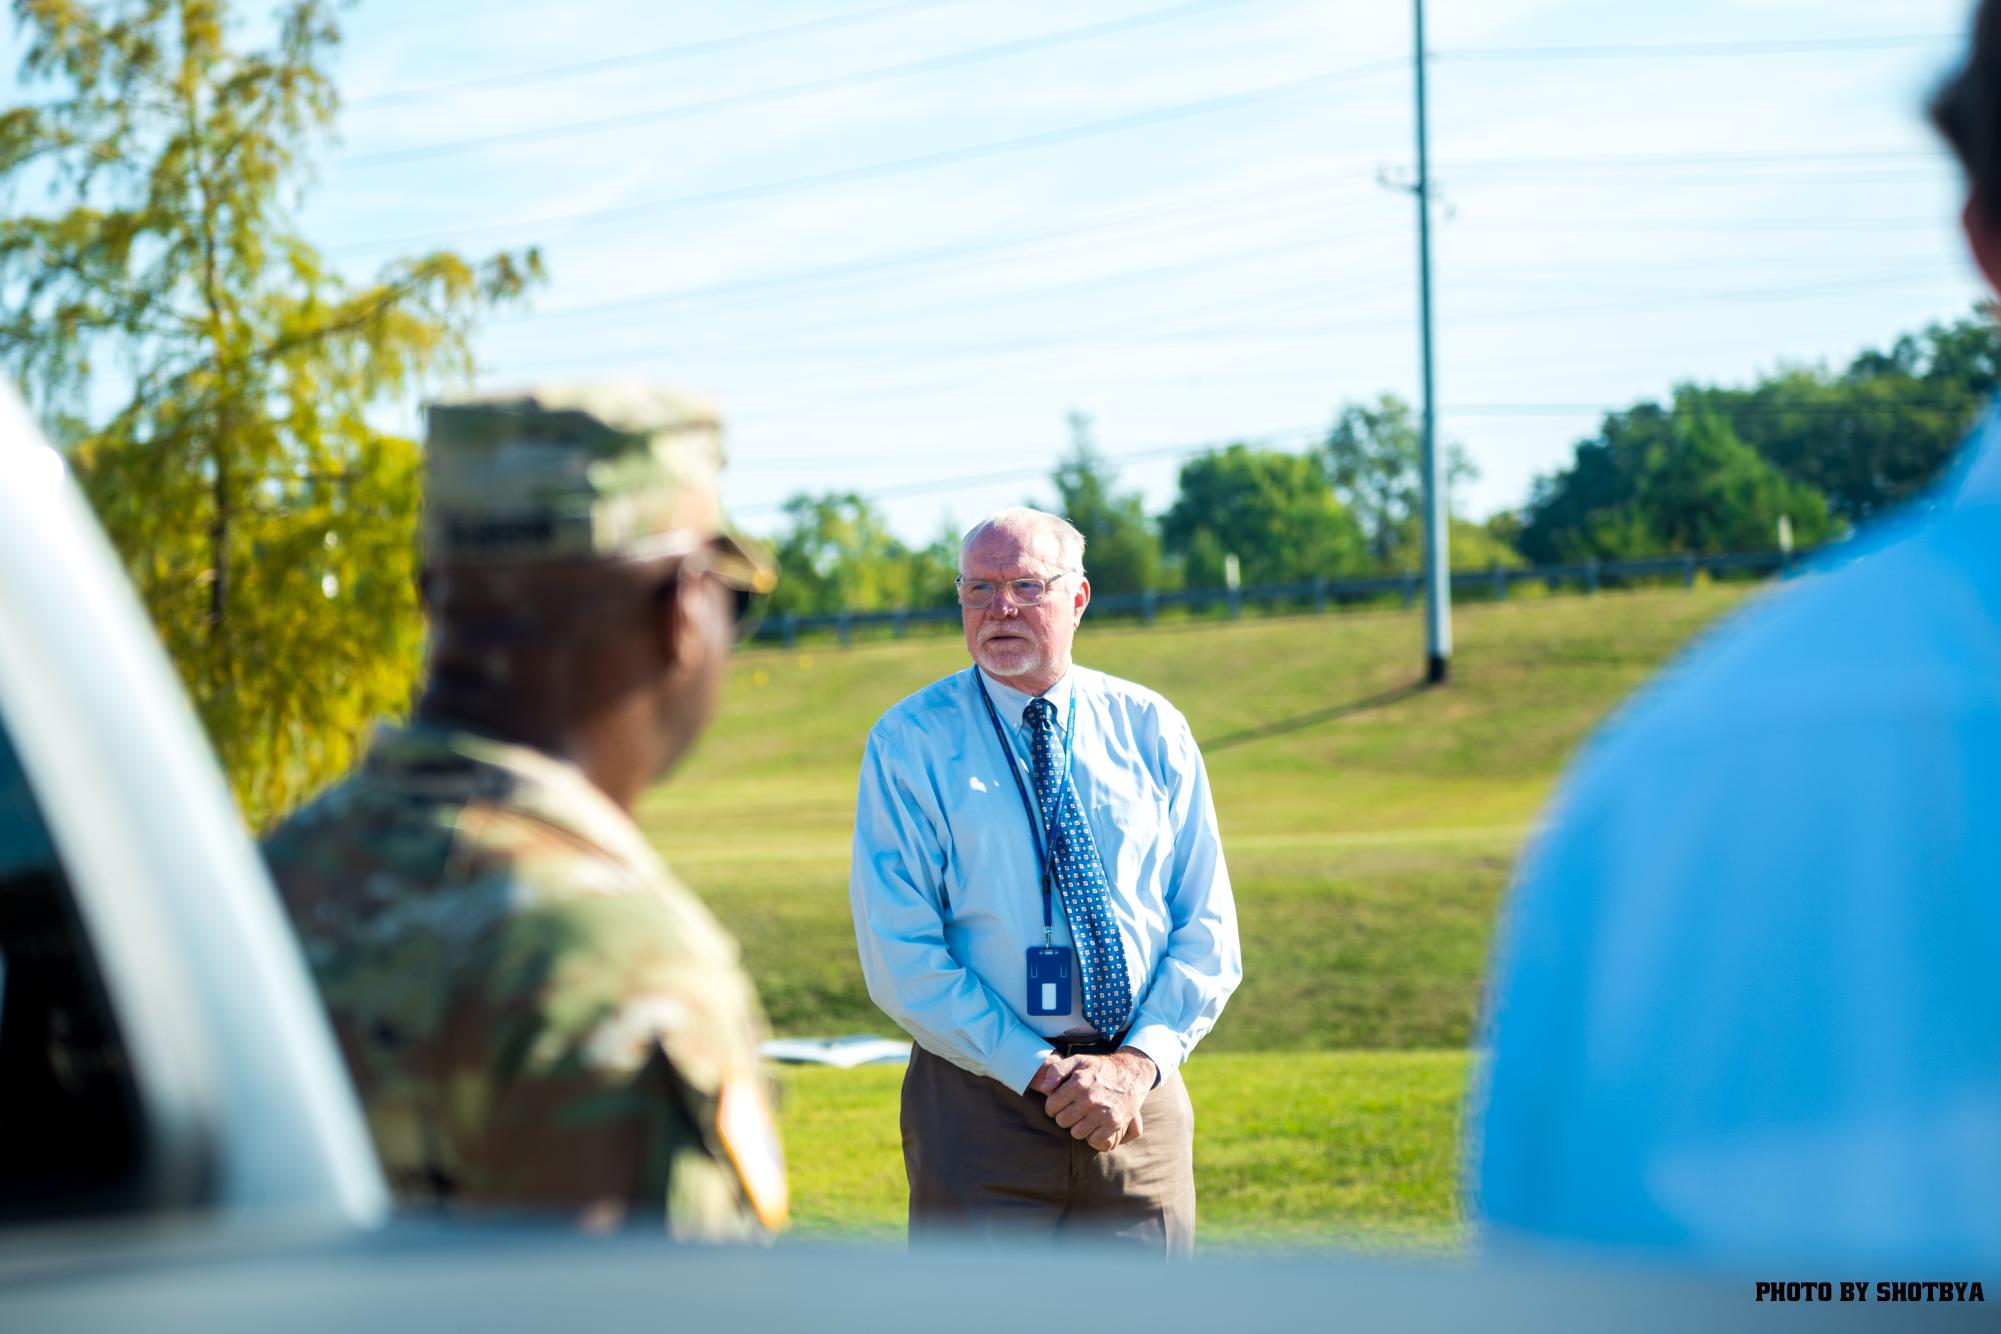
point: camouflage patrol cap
(578, 472)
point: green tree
(1375, 462)
(1880, 432)
(1121, 546)
(1705, 490)
(1658, 482)
(212, 378)
(1480, 546)
(930, 570)
(1273, 511)
(837, 553)
(1505, 528)
(1566, 506)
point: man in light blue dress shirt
(1035, 842)
(1747, 1008)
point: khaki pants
(988, 1163)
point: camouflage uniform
(535, 1012)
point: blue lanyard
(1037, 829)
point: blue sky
(1172, 218)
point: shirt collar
(1012, 704)
(452, 763)
(1980, 464)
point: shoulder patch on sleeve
(750, 1137)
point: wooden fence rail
(1318, 593)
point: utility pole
(1437, 529)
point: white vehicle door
(161, 1049)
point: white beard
(1027, 663)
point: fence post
(1409, 591)
(1236, 600)
(844, 628)
(1500, 583)
(1320, 592)
(902, 622)
(788, 626)
(1591, 575)
(1149, 604)
(1688, 569)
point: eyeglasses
(978, 593)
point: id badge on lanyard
(1051, 967)
(1049, 973)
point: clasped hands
(1097, 1098)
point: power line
(1313, 434)
(788, 341)
(1510, 271)
(877, 264)
(865, 390)
(918, 162)
(1635, 50)
(773, 350)
(887, 263)
(1886, 176)
(847, 323)
(936, 347)
(1676, 50)
(1781, 157)
(940, 486)
(1173, 111)
(1047, 347)
(733, 101)
(1705, 226)
(771, 340)
(1653, 409)
(659, 55)
(769, 351)
(1152, 453)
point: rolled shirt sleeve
(895, 889)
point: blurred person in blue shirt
(1747, 1003)
(1041, 902)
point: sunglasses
(749, 580)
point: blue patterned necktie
(1080, 876)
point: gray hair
(1022, 519)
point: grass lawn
(1369, 827)
(1291, 1149)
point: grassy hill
(1369, 825)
